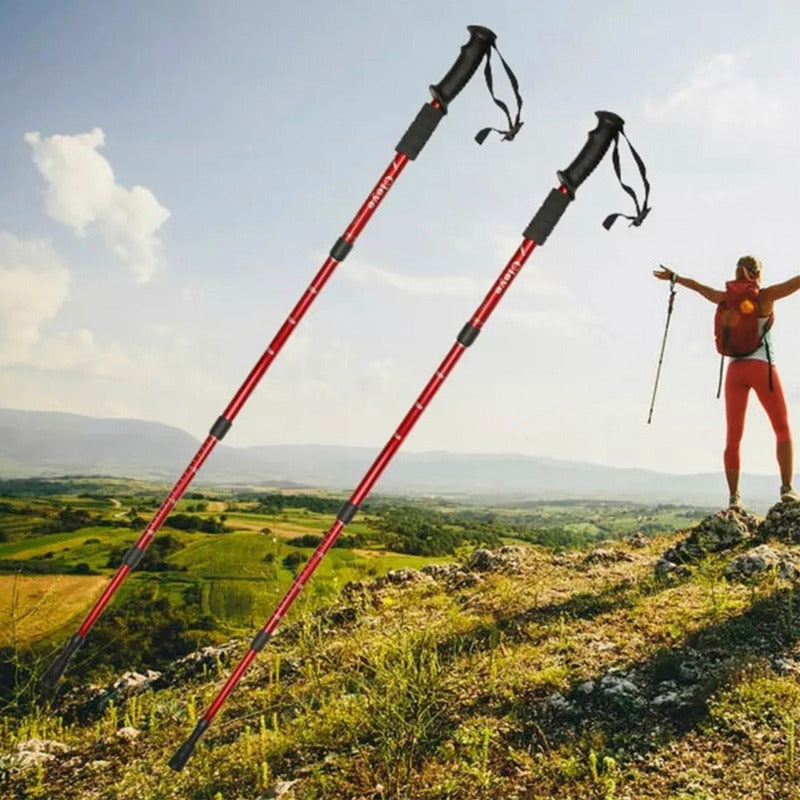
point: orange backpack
(736, 324)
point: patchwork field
(34, 606)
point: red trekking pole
(608, 129)
(479, 46)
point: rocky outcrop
(722, 531)
(782, 523)
(90, 702)
(206, 662)
(762, 560)
(506, 559)
(602, 555)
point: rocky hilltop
(652, 668)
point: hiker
(756, 371)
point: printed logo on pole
(508, 276)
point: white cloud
(34, 284)
(430, 285)
(471, 287)
(83, 192)
(80, 353)
(722, 97)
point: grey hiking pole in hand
(479, 46)
(608, 130)
(672, 278)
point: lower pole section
(54, 672)
(184, 752)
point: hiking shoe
(789, 495)
(735, 503)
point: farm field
(225, 557)
(32, 606)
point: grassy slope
(434, 691)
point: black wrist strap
(641, 211)
(513, 126)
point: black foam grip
(469, 59)
(608, 127)
(541, 226)
(420, 130)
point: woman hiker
(755, 371)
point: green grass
(74, 542)
(431, 692)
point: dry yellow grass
(32, 606)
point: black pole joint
(341, 249)
(133, 557)
(541, 226)
(260, 641)
(347, 512)
(469, 333)
(220, 428)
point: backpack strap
(719, 385)
(766, 347)
(513, 127)
(641, 211)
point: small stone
(278, 790)
(33, 752)
(557, 702)
(666, 699)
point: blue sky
(175, 173)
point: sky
(174, 175)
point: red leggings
(743, 375)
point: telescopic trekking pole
(670, 303)
(608, 129)
(480, 44)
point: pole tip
(56, 670)
(182, 755)
(184, 752)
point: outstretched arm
(779, 290)
(665, 274)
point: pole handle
(608, 128)
(480, 41)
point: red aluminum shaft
(349, 237)
(358, 496)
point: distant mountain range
(40, 444)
